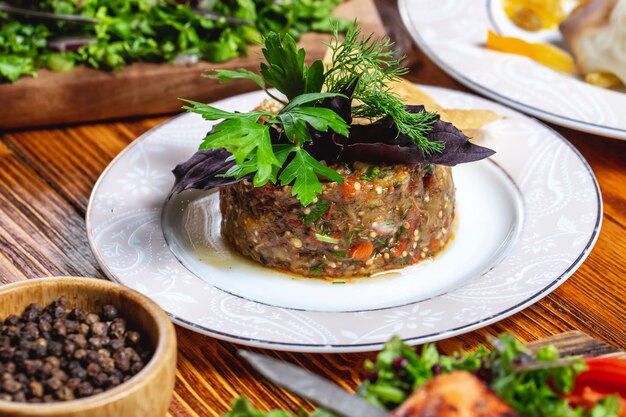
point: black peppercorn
(109, 312)
(54, 353)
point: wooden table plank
(46, 176)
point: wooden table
(46, 176)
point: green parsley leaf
(321, 207)
(302, 171)
(308, 98)
(224, 76)
(213, 113)
(321, 119)
(286, 69)
(242, 137)
(249, 166)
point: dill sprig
(414, 125)
(371, 61)
(367, 57)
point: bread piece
(596, 35)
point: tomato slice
(604, 376)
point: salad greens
(398, 370)
(149, 30)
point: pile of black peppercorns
(59, 354)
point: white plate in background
(453, 34)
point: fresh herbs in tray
(297, 145)
(149, 30)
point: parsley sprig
(250, 142)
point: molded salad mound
(336, 175)
(529, 385)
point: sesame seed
(332, 265)
(306, 210)
(423, 255)
(374, 224)
(404, 254)
(361, 213)
(444, 230)
(315, 200)
(357, 186)
(336, 247)
(379, 189)
(440, 214)
(416, 232)
(425, 249)
(427, 198)
(372, 234)
(297, 243)
(369, 262)
(386, 256)
(415, 245)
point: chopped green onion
(327, 239)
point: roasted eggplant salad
(336, 175)
(506, 381)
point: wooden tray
(142, 89)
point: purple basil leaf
(201, 171)
(324, 146)
(381, 142)
(342, 105)
(458, 148)
(382, 153)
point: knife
(316, 389)
(39, 14)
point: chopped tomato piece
(349, 188)
(604, 376)
(361, 251)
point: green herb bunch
(150, 30)
(364, 61)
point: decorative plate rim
(561, 120)
(357, 347)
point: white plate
(453, 34)
(527, 218)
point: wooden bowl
(146, 394)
